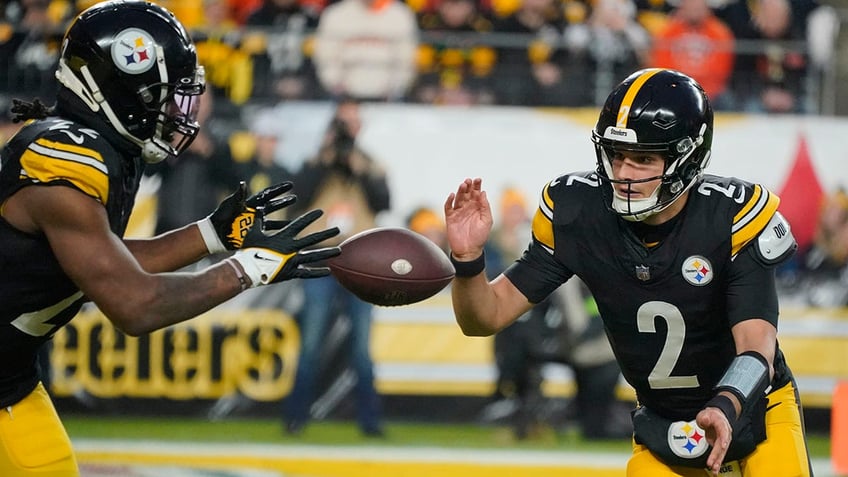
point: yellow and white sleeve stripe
(543, 221)
(46, 161)
(753, 218)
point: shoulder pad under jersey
(776, 242)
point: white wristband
(210, 236)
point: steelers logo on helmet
(133, 51)
(687, 439)
(697, 270)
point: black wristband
(725, 405)
(469, 269)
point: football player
(129, 84)
(681, 264)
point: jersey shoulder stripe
(47, 160)
(753, 217)
(568, 192)
(543, 220)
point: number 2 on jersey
(660, 377)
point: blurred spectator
(194, 183)
(191, 13)
(29, 48)
(228, 63)
(257, 162)
(829, 252)
(565, 328)
(770, 70)
(654, 14)
(518, 389)
(241, 10)
(429, 223)
(365, 49)
(188, 12)
(511, 233)
(611, 42)
(499, 8)
(697, 43)
(351, 188)
(572, 333)
(282, 70)
(453, 67)
(536, 71)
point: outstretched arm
(223, 230)
(481, 308)
(106, 271)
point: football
(391, 266)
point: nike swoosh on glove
(271, 258)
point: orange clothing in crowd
(703, 51)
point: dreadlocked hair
(25, 110)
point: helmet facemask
(176, 118)
(654, 111)
(685, 160)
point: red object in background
(801, 196)
(241, 9)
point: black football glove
(272, 258)
(227, 226)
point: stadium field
(142, 447)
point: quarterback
(129, 83)
(681, 264)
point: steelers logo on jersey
(697, 270)
(133, 51)
(687, 439)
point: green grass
(342, 433)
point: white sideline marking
(530, 458)
(374, 453)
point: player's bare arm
(481, 308)
(756, 335)
(221, 231)
(103, 267)
(169, 251)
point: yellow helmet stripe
(630, 95)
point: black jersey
(37, 296)
(668, 309)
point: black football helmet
(658, 111)
(134, 64)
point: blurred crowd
(750, 55)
